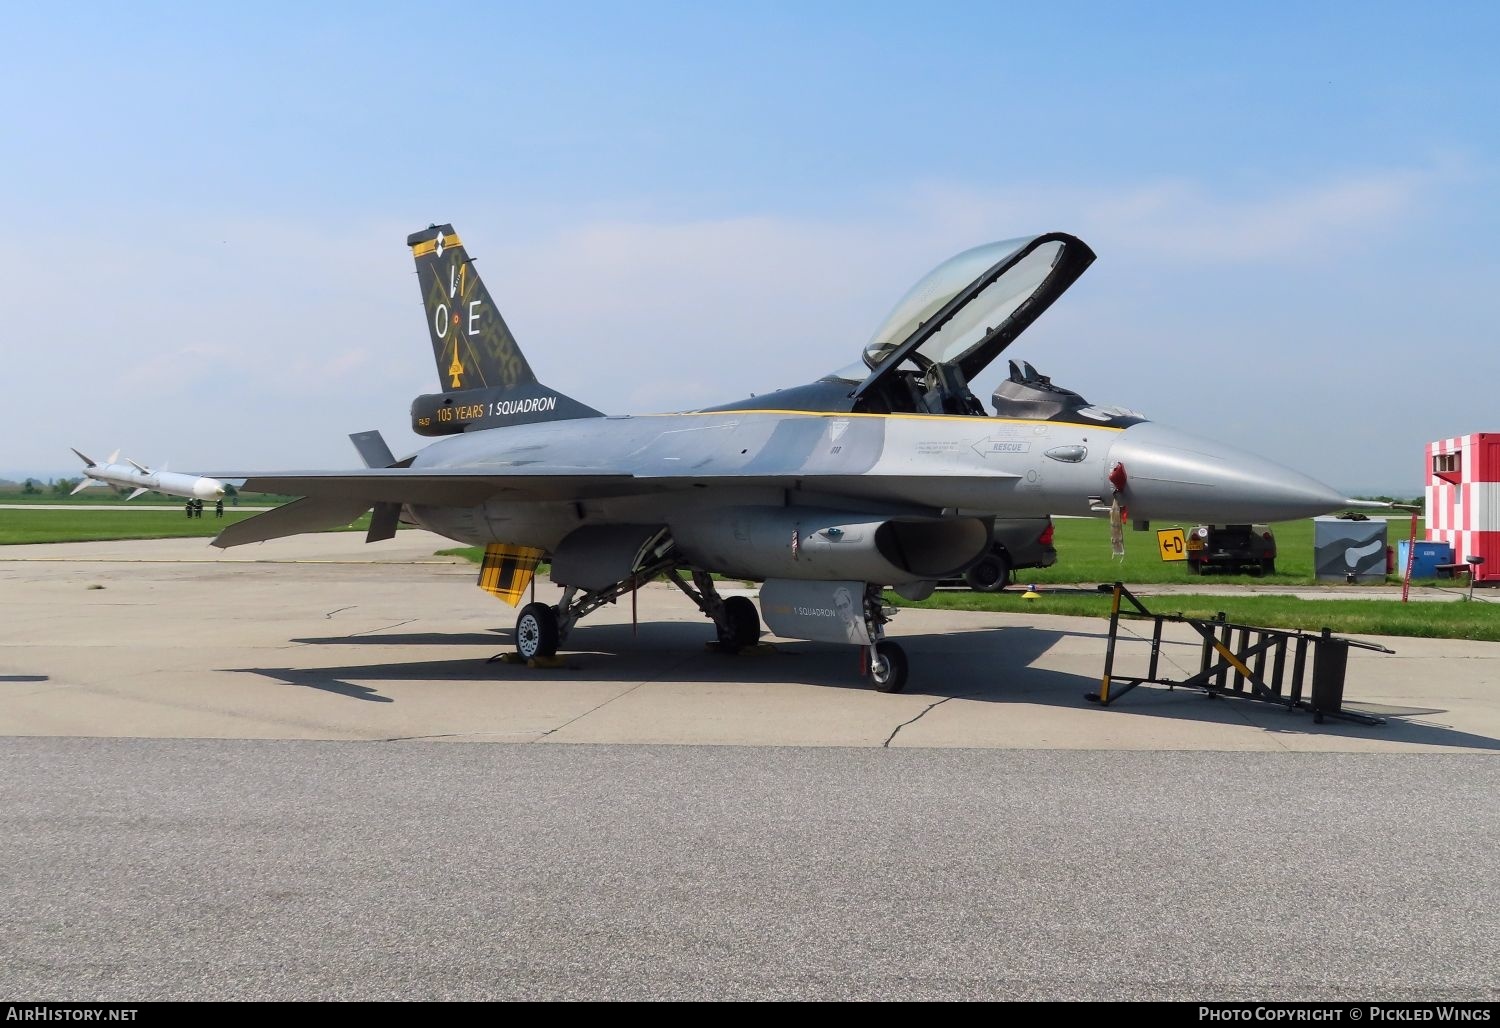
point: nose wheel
(888, 666)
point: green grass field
(1479, 620)
(109, 497)
(1083, 555)
(92, 498)
(158, 522)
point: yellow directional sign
(1173, 544)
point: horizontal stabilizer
(305, 515)
(81, 486)
(88, 462)
(135, 494)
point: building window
(1447, 466)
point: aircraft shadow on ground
(994, 665)
(498, 639)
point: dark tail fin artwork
(471, 343)
(474, 349)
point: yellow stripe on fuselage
(424, 248)
(971, 418)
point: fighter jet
(131, 475)
(888, 473)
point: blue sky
(1294, 208)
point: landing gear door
(599, 556)
(968, 309)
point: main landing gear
(537, 633)
(735, 619)
(541, 628)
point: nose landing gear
(885, 658)
(888, 666)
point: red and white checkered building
(1463, 498)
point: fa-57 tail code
(486, 378)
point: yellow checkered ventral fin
(507, 570)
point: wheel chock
(536, 663)
(745, 651)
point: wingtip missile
(141, 479)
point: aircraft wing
(467, 486)
(333, 498)
(437, 486)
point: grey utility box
(1349, 551)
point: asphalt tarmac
(280, 779)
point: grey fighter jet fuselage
(887, 474)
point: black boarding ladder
(1232, 662)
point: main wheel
(990, 575)
(1268, 566)
(888, 667)
(741, 626)
(536, 631)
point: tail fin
(85, 482)
(486, 381)
(471, 343)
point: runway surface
(219, 779)
(174, 869)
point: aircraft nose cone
(1174, 475)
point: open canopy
(963, 313)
